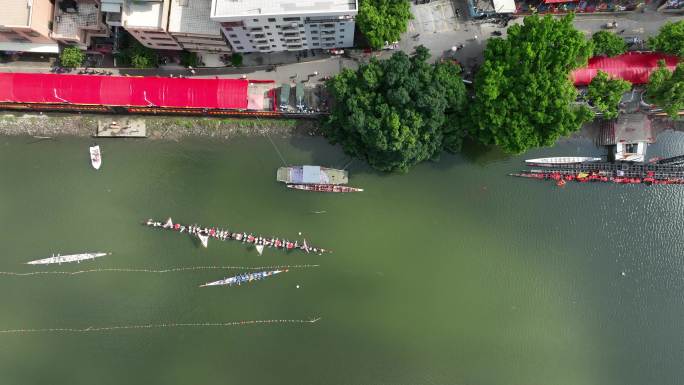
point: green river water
(451, 274)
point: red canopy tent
(124, 91)
(633, 67)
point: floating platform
(123, 128)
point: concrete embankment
(158, 127)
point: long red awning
(124, 91)
(633, 67)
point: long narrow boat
(562, 160)
(562, 177)
(66, 258)
(244, 278)
(324, 188)
(205, 233)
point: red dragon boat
(324, 188)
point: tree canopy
(670, 39)
(383, 20)
(608, 44)
(605, 93)
(666, 89)
(397, 112)
(523, 95)
(71, 57)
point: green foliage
(189, 59)
(605, 93)
(143, 57)
(398, 112)
(666, 89)
(71, 57)
(383, 20)
(670, 39)
(137, 55)
(608, 44)
(236, 59)
(523, 94)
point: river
(451, 274)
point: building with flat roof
(174, 25)
(25, 26)
(146, 21)
(77, 21)
(283, 25)
(190, 24)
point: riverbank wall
(158, 127)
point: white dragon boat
(562, 160)
(244, 278)
(59, 259)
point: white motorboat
(95, 157)
(59, 259)
(562, 160)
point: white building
(282, 25)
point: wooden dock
(122, 128)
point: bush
(189, 59)
(71, 57)
(608, 44)
(236, 59)
(137, 55)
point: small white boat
(260, 249)
(562, 160)
(66, 258)
(95, 157)
(204, 239)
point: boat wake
(91, 329)
(162, 271)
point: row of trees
(399, 112)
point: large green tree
(397, 112)
(523, 95)
(605, 93)
(383, 20)
(608, 44)
(666, 89)
(670, 39)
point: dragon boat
(324, 188)
(260, 242)
(244, 278)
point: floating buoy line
(91, 329)
(155, 271)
